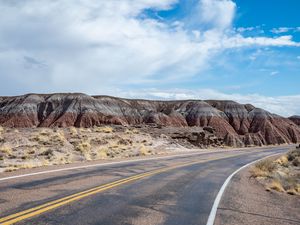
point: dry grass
(42, 139)
(102, 153)
(11, 168)
(48, 153)
(292, 154)
(59, 137)
(263, 168)
(83, 147)
(135, 131)
(127, 131)
(275, 185)
(44, 132)
(31, 151)
(294, 157)
(143, 150)
(6, 150)
(292, 192)
(105, 129)
(281, 174)
(83, 130)
(73, 131)
(283, 161)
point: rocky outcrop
(295, 119)
(233, 123)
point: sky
(242, 50)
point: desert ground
(34, 147)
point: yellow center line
(14, 218)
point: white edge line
(105, 164)
(213, 212)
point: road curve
(174, 190)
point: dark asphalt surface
(179, 196)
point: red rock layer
(236, 124)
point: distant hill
(295, 119)
(237, 124)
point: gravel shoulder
(246, 201)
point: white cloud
(281, 30)
(243, 29)
(281, 105)
(273, 73)
(216, 13)
(240, 41)
(93, 46)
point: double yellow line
(14, 218)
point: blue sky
(244, 50)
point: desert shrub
(283, 161)
(1, 139)
(1, 129)
(26, 165)
(123, 141)
(83, 147)
(293, 154)
(73, 131)
(99, 141)
(291, 191)
(114, 145)
(135, 131)
(46, 152)
(143, 150)
(105, 129)
(84, 130)
(42, 139)
(6, 150)
(263, 168)
(45, 162)
(296, 162)
(59, 137)
(10, 169)
(44, 132)
(102, 153)
(31, 151)
(266, 165)
(276, 185)
(25, 156)
(128, 131)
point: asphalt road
(176, 190)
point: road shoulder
(245, 201)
